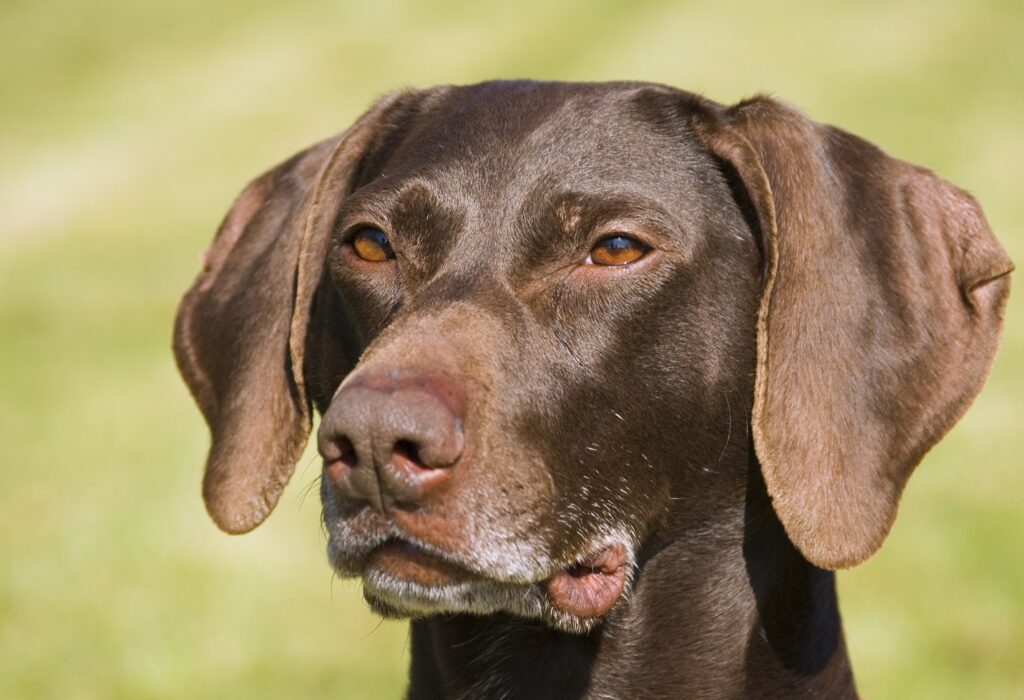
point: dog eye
(617, 250)
(372, 245)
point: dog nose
(392, 438)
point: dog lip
(388, 561)
(590, 587)
(407, 561)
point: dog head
(543, 324)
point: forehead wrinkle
(587, 148)
(500, 183)
(503, 152)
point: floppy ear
(239, 335)
(881, 310)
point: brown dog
(611, 376)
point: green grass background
(127, 126)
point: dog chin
(402, 579)
(396, 599)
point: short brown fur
(738, 411)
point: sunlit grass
(125, 130)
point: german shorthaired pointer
(611, 377)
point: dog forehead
(491, 148)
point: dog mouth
(404, 572)
(408, 562)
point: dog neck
(729, 610)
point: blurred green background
(126, 128)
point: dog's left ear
(882, 304)
(240, 332)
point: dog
(611, 377)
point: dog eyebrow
(578, 216)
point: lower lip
(590, 591)
(408, 562)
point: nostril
(430, 455)
(338, 448)
(340, 459)
(407, 477)
(407, 451)
(347, 452)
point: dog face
(505, 309)
(543, 324)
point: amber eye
(372, 245)
(617, 250)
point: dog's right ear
(240, 330)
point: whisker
(301, 498)
(728, 433)
(379, 623)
